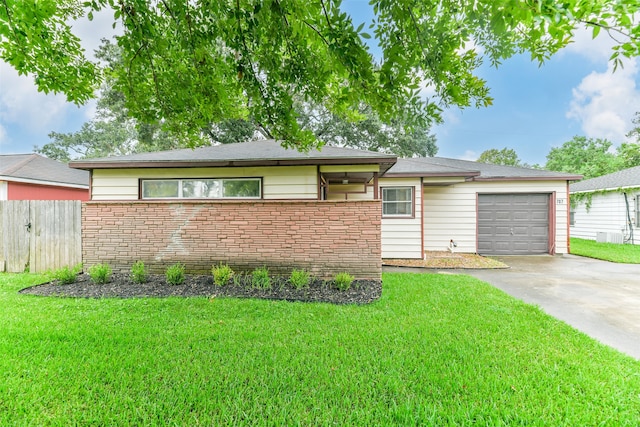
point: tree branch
(609, 29)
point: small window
(572, 217)
(160, 189)
(397, 201)
(638, 211)
(220, 188)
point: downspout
(552, 223)
(568, 219)
(629, 223)
(422, 210)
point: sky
(534, 108)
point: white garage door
(513, 224)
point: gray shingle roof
(266, 152)
(621, 179)
(34, 167)
(426, 166)
(271, 152)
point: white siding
(350, 192)
(608, 213)
(4, 193)
(278, 182)
(401, 237)
(450, 213)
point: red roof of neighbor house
(37, 169)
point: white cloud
(604, 103)
(3, 135)
(597, 50)
(470, 155)
(92, 32)
(22, 104)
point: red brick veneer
(324, 237)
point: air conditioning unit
(607, 237)
(615, 238)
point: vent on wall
(604, 237)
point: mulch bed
(121, 286)
(447, 260)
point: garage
(513, 224)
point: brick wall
(324, 237)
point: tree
(584, 156)
(629, 153)
(190, 63)
(366, 133)
(112, 131)
(506, 156)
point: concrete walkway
(599, 298)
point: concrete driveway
(599, 298)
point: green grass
(627, 254)
(435, 350)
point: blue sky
(535, 108)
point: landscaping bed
(447, 260)
(121, 286)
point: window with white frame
(217, 188)
(638, 211)
(397, 201)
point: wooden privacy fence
(39, 235)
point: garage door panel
(540, 216)
(502, 216)
(513, 224)
(522, 216)
(502, 230)
(522, 231)
(542, 232)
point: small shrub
(66, 275)
(100, 273)
(343, 281)
(138, 272)
(299, 279)
(175, 274)
(239, 279)
(221, 274)
(260, 278)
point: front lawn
(627, 254)
(435, 350)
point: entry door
(513, 224)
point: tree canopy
(585, 156)
(191, 63)
(506, 156)
(114, 132)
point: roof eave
(624, 187)
(89, 165)
(44, 182)
(529, 178)
(430, 174)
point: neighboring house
(337, 209)
(607, 208)
(34, 177)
